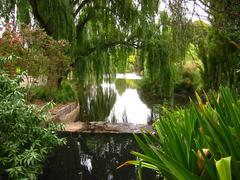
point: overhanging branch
(85, 2)
(130, 42)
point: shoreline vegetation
(68, 48)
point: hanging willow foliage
(158, 64)
(162, 49)
(104, 32)
(101, 32)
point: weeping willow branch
(98, 30)
(130, 42)
(34, 5)
(82, 22)
(79, 8)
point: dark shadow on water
(93, 157)
(96, 104)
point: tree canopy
(100, 32)
(103, 33)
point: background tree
(219, 49)
(164, 45)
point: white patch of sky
(2, 26)
(195, 10)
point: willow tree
(156, 57)
(102, 33)
(224, 41)
(164, 45)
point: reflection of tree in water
(121, 86)
(96, 103)
(122, 116)
(155, 103)
(93, 157)
(106, 154)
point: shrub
(190, 78)
(26, 135)
(195, 143)
(65, 93)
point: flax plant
(201, 142)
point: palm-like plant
(194, 143)
(220, 121)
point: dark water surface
(93, 157)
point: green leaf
(224, 168)
(180, 172)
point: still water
(93, 157)
(96, 156)
(128, 106)
(117, 102)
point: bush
(65, 93)
(202, 142)
(26, 135)
(190, 78)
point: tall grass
(201, 142)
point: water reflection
(117, 102)
(94, 157)
(129, 108)
(96, 103)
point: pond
(122, 102)
(128, 107)
(117, 102)
(93, 157)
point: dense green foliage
(26, 135)
(109, 36)
(189, 141)
(158, 57)
(165, 45)
(189, 72)
(225, 19)
(219, 45)
(220, 59)
(64, 93)
(38, 54)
